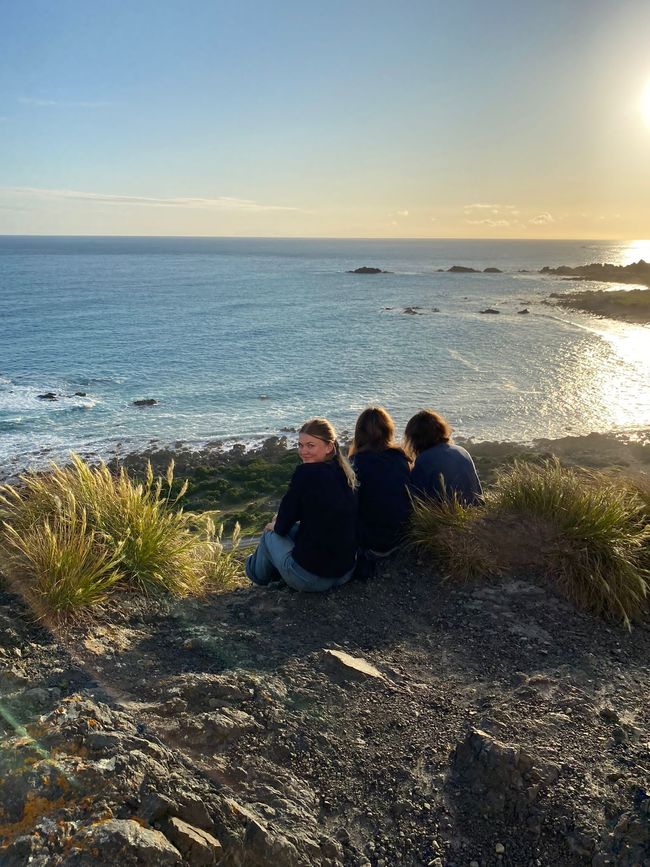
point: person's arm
(290, 508)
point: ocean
(241, 338)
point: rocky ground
(402, 721)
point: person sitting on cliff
(441, 470)
(311, 543)
(383, 471)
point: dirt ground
(400, 721)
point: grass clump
(74, 533)
(453, 534)
(601, 534)
(585, 531)
(63, 562)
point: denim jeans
(272, 560)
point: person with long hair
(311, 543)
(442, 470)
(383, 471)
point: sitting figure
(311, 543)
(441, 470)
(382, 470)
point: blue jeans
(272, 560)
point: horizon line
(318, 237)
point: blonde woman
(311, 543)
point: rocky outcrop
(637, 272)
(366, 270)
(462, 269)
(499, 779)
(489, 310)
(147, 401)
(492, 271)
(48, 395)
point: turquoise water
(239, 338)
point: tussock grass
(453, 535)
(62, 562)
(74, 533)
(585, 531)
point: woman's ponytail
(345, 465)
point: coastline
(244, 482)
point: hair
(425, 429)
(324, 430)
(374, 431)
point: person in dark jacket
(311, 543)
(441, 470)
(383, 471)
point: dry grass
(586, 532)
(73, 533)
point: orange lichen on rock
(36, 807)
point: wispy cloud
(488, 222)
(61, 103)
(402, 213)
(542, 219)
(220, 203)
(494, 207)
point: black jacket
(384, 502)
(320, 498)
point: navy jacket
(457, 470)
(324, 504)
(384, 502)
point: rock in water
(461, 269)
(366, 270)
(489, 310)
(148, 401)
(49, 395)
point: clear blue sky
(348, 118)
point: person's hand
(271, 525)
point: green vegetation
(72, 535)
(245, 492)
(586, 531)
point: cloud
(495, 208)
(488, 222)
(542, 219)
(220, 203)
(402, 213)
(42, 103)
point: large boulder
(124, 842)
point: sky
(345, 118)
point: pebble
(499, 848)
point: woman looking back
(311, 543)
(441, 470)
(382, 470)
